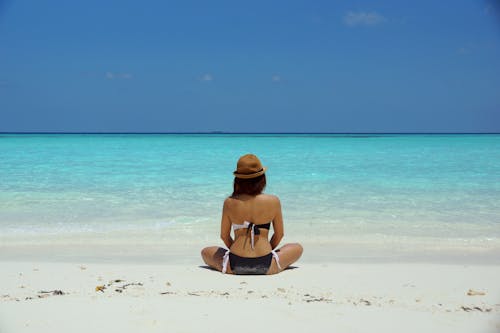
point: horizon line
(232, 133)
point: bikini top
(252, 228)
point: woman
(250, 213)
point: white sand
(336, 297)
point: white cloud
(276, 78)
(353, 19)
(123, 76)
(206, 77)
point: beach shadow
(291, 267)
(213, 269)
(207, 267)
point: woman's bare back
(260, 210)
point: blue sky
(250, 66)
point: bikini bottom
(249, 266)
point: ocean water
(425, 189)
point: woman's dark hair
(251, 186)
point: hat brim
(250, 175)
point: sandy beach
(97, 296)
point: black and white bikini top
(252, 228)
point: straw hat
(249, 166)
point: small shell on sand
(472, 292)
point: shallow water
(425, 189)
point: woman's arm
(225, 226)
(277, 226)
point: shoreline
(188, 253)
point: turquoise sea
(427, 190)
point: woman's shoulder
(229, 201)
(268, 199)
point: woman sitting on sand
(250, 213)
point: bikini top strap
(252, 228)
(253, 231)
